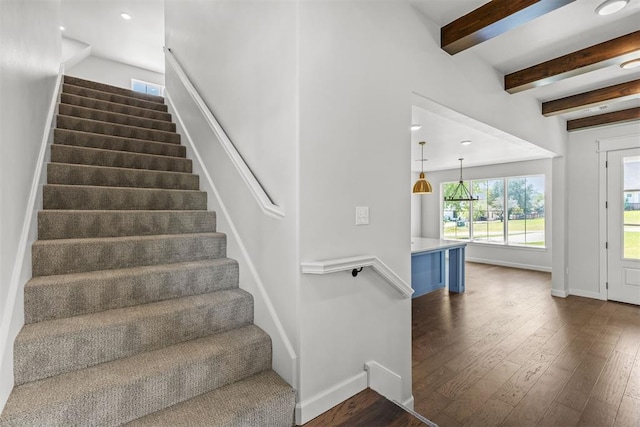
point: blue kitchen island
(429, 265)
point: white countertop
(423, 244)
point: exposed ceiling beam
(616, 93)
(573, 64)
(491, 20)
(621, 116)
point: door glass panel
(631, 200)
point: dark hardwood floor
(507, 353)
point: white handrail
(263, 200)
(345, 264)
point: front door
(623, 225)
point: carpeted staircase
(134, 314)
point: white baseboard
(310, 408)
(408, 403)
(558, 293)
(384, 381)
(587, 294)
(510, 264)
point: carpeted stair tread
(75, 174)
(121, 159)
(117, 143)
(76, 81)
(95, 126)
(112, 97)
(66, 295)
(64, 256)
(261, 400)
(116, 392)
(77, 224)
(115, 118)
(64, 345)
(58, 196)
(81, 101)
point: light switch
(362, 215)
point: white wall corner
(310, 408)
(384, 381)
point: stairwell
(134, 314)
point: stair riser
(116, 118)
(92, 126)
(117, 159)
(102, 87)
(118, 333)
(61, 224)
(91, 140)
(112, 97)
(105, 198)
(76, 256)
(68, 174)
(73, 295)
(96, 104)
(130, 396)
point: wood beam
(491, 20)
(615, 93)
(621, 116)
(573, 64)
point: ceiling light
(422, 186)
(416, 127)
(461, 193)
(611, 6)
(61, 28)
(630, 64)
(125, 15)
(466, 142)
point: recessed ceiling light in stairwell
(416, 127)
(466, 142)
(61, 28)
(611, 6)
(125, 16)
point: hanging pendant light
(422, 186)
(461, 193)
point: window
(146, 87)
(508, 211)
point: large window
(508, 211)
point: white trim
(618, 143)
(310, 408)
(510, 264)
(348, 264)
(602, 225)
(27, 235)
(384, 381)
(559, 293)
(409, 403)
(234, 231)
(586, 294)
(261, 197)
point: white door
(623, 225)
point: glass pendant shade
(422, 186)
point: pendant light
(422, 186)
(461, 193)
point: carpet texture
(134, 313)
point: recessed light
(611, 6)
(61, 28)
(416, 127)
(125, 15)
(465, 142)
(630, 64)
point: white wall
(583, 206)
(30, 60)
(510, 256)
(73, 52)
(112, 72)
(416, 208)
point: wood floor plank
(560, 415)
(513, 390)
(492, 413)
(538, 400)
(577, 390)
(573, 354)
(612, 382)
(464, 379)
(598, 414)
(629, 413)
(633, 385)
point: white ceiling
(570, 28)
(97, 23)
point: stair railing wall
(213, 156)
(12, 318)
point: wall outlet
(362, 215)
